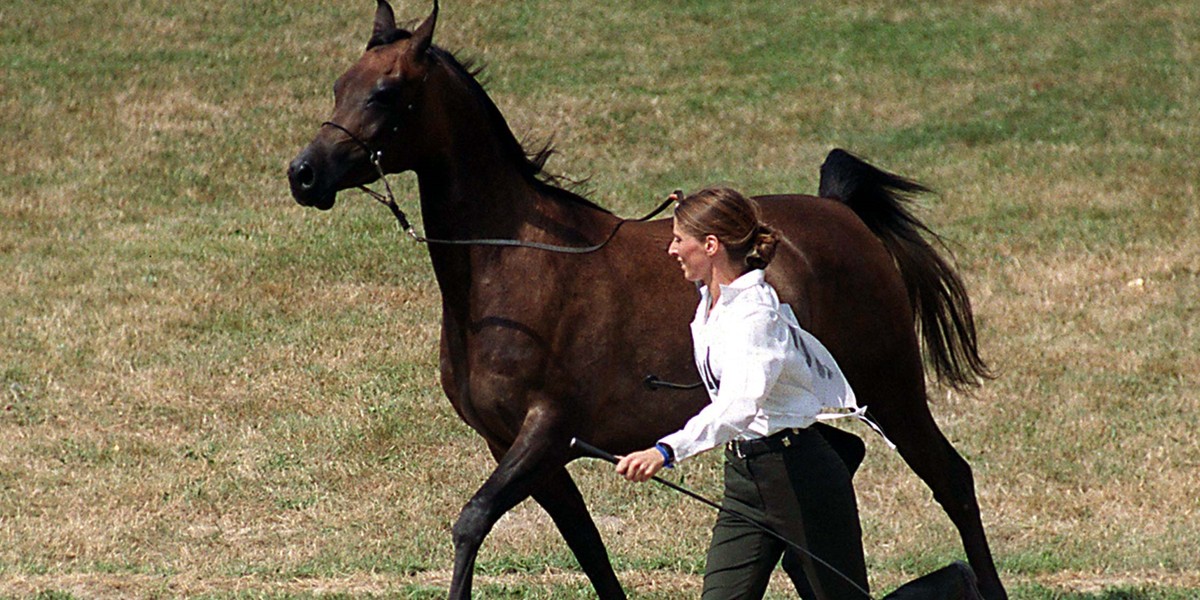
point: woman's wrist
(668, 454)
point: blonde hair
(735, 221)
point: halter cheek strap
(390, 200)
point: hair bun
(762, 247)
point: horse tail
(941, 307)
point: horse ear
(423, 36)
(385, 23)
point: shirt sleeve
(754, 347)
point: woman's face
(695, 255)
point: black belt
(776, 442)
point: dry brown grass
(207, 391)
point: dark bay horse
(538, 347)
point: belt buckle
(737, 449)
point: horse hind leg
(929, 454)
(560, 497)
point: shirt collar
(751, 278)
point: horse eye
(385, 96)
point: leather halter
(389, 200)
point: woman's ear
(711, 245)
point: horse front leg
(560, 497)
(537, 451)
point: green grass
(208, 391)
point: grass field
(209, 391)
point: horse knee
(472, 525)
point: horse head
(378, 103)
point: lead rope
(389, 201)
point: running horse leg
(532, 465)
(560, 497)
(927, 451)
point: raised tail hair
(941, 307)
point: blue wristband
(667, 454)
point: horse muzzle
(309, 188)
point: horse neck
(473, 208)
(465, 197)
(475, 186)
(476, 180)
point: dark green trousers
(804, 494)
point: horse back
(846, 290)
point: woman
(770, 382)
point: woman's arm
(755, 345)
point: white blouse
(763, 372)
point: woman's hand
(640, 466)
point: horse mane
(531, 164)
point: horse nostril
(304, 176)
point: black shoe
(955, 581)
(970, 584)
